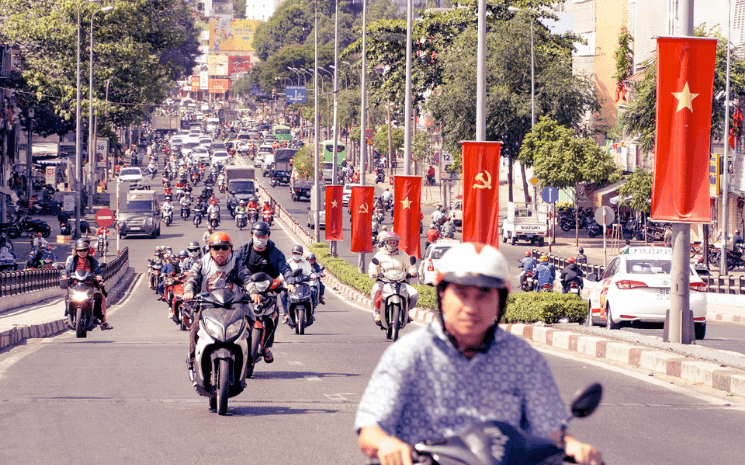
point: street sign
(369, 142)
(550, 194)
(534, 181)
(295, 94)
(104, 218)
(368, 133)
(610, 217)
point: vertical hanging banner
(360, 206)
(685, 83)
(407, 207)
(481, 192)
(334, 221)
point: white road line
(121, 304)
(294, 363)
(336, 397)
(313, 378)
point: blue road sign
(550, 194)
(295, 94)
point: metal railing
(19, 282)
(560, 263)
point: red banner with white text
(407, 207)
(685, 83)
(481, 192)
(334, 221)
(360, 206)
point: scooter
(214, 220)
(221, 357)
(168, 217)
(240, 220)
(545, 287)
(253, 215)
(185, 211)
(155, 276)
(197, 217)
(300, 303)
(379, 175)
(177, 302)
(81, 302)
(395, 299)
(499, 443)
(573, 288)
(315, 286)
(268, 218)
(266, 310)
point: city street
(124, 396)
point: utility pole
(334, 165)
(363, 93)
(407, 99)
(316, 187)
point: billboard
(232, 35)
(219, 86)
(195, 83)
(204, 80)
(218, 65)
(238, 64)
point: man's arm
(374, 442)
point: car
(264, 149)
(432, 256)
(321, 219)
(177, 141)
(205, 142)
(169, 101)
(218, 147)
(259, 161)
(635, 286)
(220, 158)
(346, 193)
(189, 144)
(456, 211)
(133, 176)
(200, 153)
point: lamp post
(91, 123)
(333, 86)
(725, 177)
(297, 71)
(513, 9)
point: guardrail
(20, 282)
(560, 263)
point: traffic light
(274, 94)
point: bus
(282, 133)
(328, 151)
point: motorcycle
(8, 258)
(177, 303)
(220, 362)
(430, 180)
(195, 178)
(231, 207)
(379, 216)
(214, 220)
(300, 303)
(68, 228)
(499, 443)
(573, 288)
(102, 243)
(168, 217)
(268, 218)
(197, 217)
(155, 276)
(594, 229)
(379, 175)
(266, 310)
(153, 171)
(545, 287)
(395, 300)
(185, 211)
(315, 286)
(240, 220)
(253, 215)
(81, 302)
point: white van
(212, 124)
(189, 144)
(267, 163)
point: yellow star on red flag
(406, 202)
(685, 98)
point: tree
(640, 116)
(380, 139)
(561, 159)
(636, 192)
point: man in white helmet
(462, 370)
(390, 258)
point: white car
(133, 176)
(220, 158)
(636, 287)
(205, 142)
(346, 193)
(258, 161)
(432, 256)
(321, 220)
(200, 153)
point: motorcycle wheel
(46, 233)
(79, 324)
(255, 347)
(565, 226)
(396, 318)
(14, 233)
(222, 387)
(300, 316)
(591, 234)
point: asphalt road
(123, 396)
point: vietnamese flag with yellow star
(407, 208)
(685, 83)
(334, 218)
(361, 211)
(481, 192)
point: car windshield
(218, 145)
(130, 172)
(220, 154)
(139, 206)
(649, 266)
(205, 141)
(242, 186)
(438, 252)
(190, 145)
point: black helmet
(183, 254)
(297, 249)
(260, 228)
(310, 256)
(193, 245)
(581, 250)
(82, 245)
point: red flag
(685, 82)
(360, 206)
(481, 192)
(407, 207)
(334, 221)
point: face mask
(194, 254)
(260, 243)
(296, 257)
(391, 247)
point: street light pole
(363, 112)
(316, 187)
(91, 120)
(725, 173)
(407, 98)
(481, 74)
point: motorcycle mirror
(259, 277)
(375, 261)
(63, 283)
(587, 401)
(297, 273)
(412, 260)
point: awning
(55, 162)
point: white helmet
(474, 264)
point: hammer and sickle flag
(361, 220)
(481, 193)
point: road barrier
(13, 283)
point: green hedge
(349, 274)
(531, 307)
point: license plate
(663, 294)
(530, 236)
(134, 228)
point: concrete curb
(724, 317)
(18, 334)
(688, 369)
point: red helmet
(219, 238)
(527, 253)
(571, 260)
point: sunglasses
(220, 247)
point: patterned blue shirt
(423, 388)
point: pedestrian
(668, 237)
(626, 247)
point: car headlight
(149, 221)
(79, 296)
(213, 329)
(234, 330)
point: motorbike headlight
(234, 330)
(214, 329)
(79, 296)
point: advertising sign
(239, 64)
(102, 148)
(219, 86)
(218, 65)
(232, 35)
(49, 175)
(194, 83)
(204, 80)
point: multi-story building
(261, 9)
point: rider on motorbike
(581, 257)
(316, 268)
(527, 264)
(214, 207)
(83, 261)
(267, 208)
(185, 201)
(220, 269)
(571, 273)
(404, 404)
(167, 208)
(195, 253)
(545, 273)
(297, 261)
(391, 258)
(432, 236)
(387, 196)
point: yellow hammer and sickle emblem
(363, 208)
(486, 182)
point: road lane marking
(294, 363)
(121, 304)
(312, 378)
